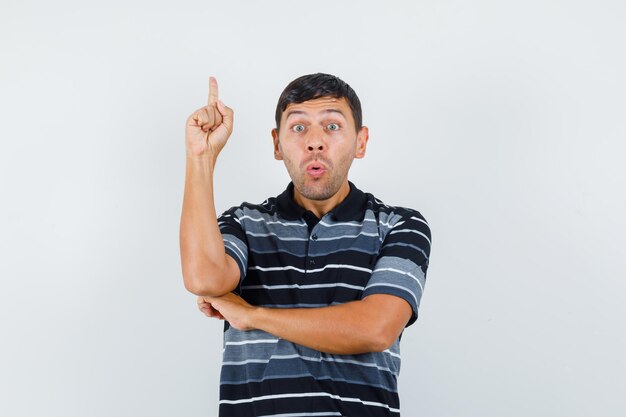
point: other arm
(368, 325)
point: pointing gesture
(213, 91)
(209, 127)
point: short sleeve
(234, 237)
(400, 268)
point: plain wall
(502, 122)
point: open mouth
(315, 169)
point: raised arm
(207, 270)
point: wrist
(202, 161)
(256, 317)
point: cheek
(288, 151)
(288, 160)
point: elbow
(203, 285)
(204, 277)
(203, 289)
(381, 339)
(380, 345)
(194, 286)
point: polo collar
(352, 208)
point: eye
(333, 126)
(298, 128)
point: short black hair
(312, 86)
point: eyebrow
(295, 112)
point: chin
(318, 192)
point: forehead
(319, 106)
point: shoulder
(265, 211)
(392, 216)
(399, 225)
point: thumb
(214, 301)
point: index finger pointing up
(213, 92)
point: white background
(501, 121)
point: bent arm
(369, 325)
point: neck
(321, 207)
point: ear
(361, 142)
(278, 155)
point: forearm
(204, 260)
(349, 328)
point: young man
(316, 285)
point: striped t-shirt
(289, 258)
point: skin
(317, 142)
(207, 270)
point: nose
(315, 141)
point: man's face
(318, 141)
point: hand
(208, 309)
(209, 127)
(229, 307)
